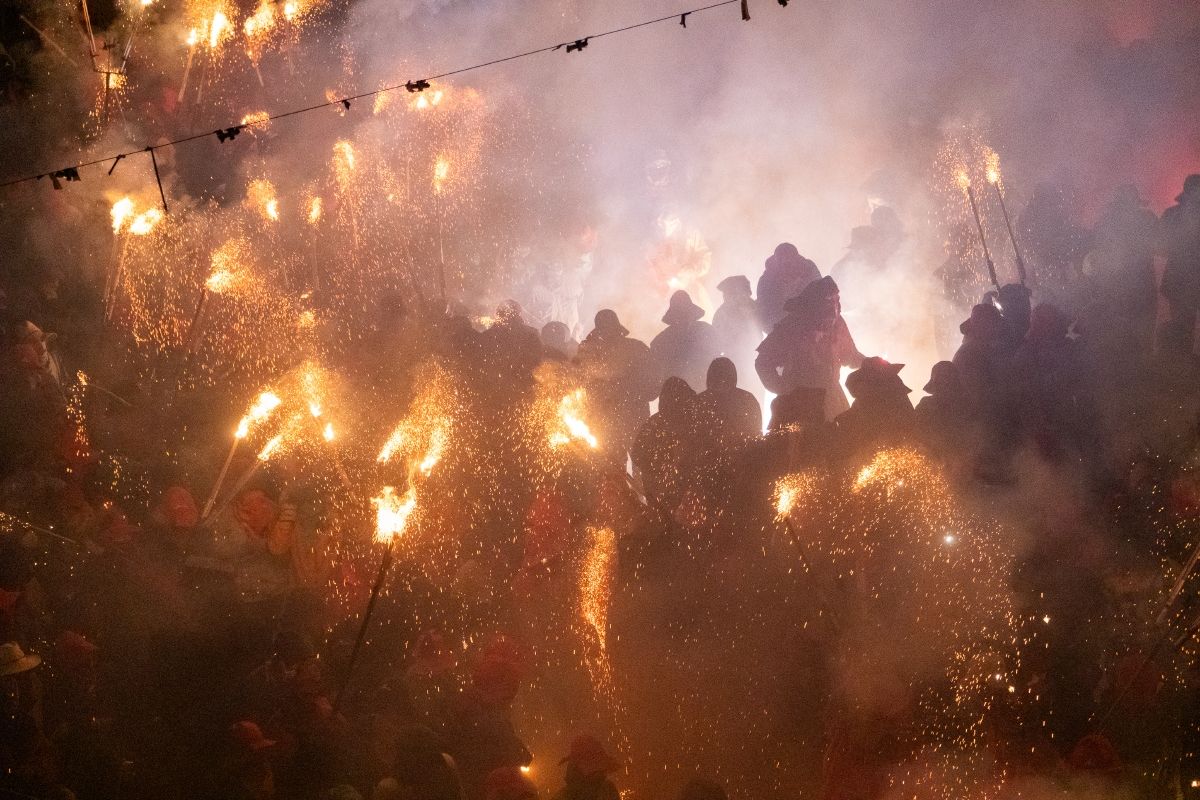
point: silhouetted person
(1054, 245)
(686, 347)
(736, 323)
(810, 346)
(737, 411)
(946, 416)
(865, 256)
(588, 766)
(557, 343)
(1180, 241)
(980, 359)
(621, 378)
(882, 415)
(787, 273)
(664, 450)
(1015, 307)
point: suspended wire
(411, 86)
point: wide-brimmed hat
(682, 309)
(589, 756)
(876, 377)
(734, 283)
(943, 378)
(985, 318)
(606, 322)
(14, 660)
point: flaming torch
(391, 517)
(964, 181)
(266, 403)
(993, 177)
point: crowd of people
(153, 651)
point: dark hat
(682, 309)
(589, 756)
(985, 318)
(943, 378)
(1191, 186)
(556, 332)
(811, 295)
(874, 378)
(606, 322)
(734, 283)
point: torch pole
(362, 628)
(987, 256)
(1178, 587)
(189, 338)
(241, 484)
(212, 497)
(1011, 236)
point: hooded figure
(736, 410)
(809, 347)
(946, 415)
(882, 413)
(736, 323)
(665, 449)
(511, 350)
(787, 274)
(980, 358)
(588, 766)
(1180, 241)
(621, 379)
(557, 342)
(686, 347)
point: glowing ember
(428, 100)
(328, 432)
(963, 179)
(260, 194)
(595, 583)
(574, 428)
(343, 153)
(392, 512)
(289, 9)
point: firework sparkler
(993, 177)
(964, 182)
(263, 407)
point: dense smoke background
(789, 127)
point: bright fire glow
(314, 211)
(266, 403)
(992, 160)
(391, 513)
(963, 179)
(393, 443)
(437, 444)
(144, 222)
(219, 281)
(122, 210)
(270, 447)
(328, 432)
(570, 414)
(219, 29)
(441, 171)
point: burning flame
(393, 443)
(121, 211)
(257, 119)
(992, 161)
(437, 444)
(428, 100)
(441, 171)
(270, 447)
(259, 411)
(289, 10)
(144, 222)
(314, 211)
(219, 281)
(963, 179)
(260, 193)
(262, 20)
(192, 37)
(219, 29)
(391, 513)
(328, 432)
(570, 413)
